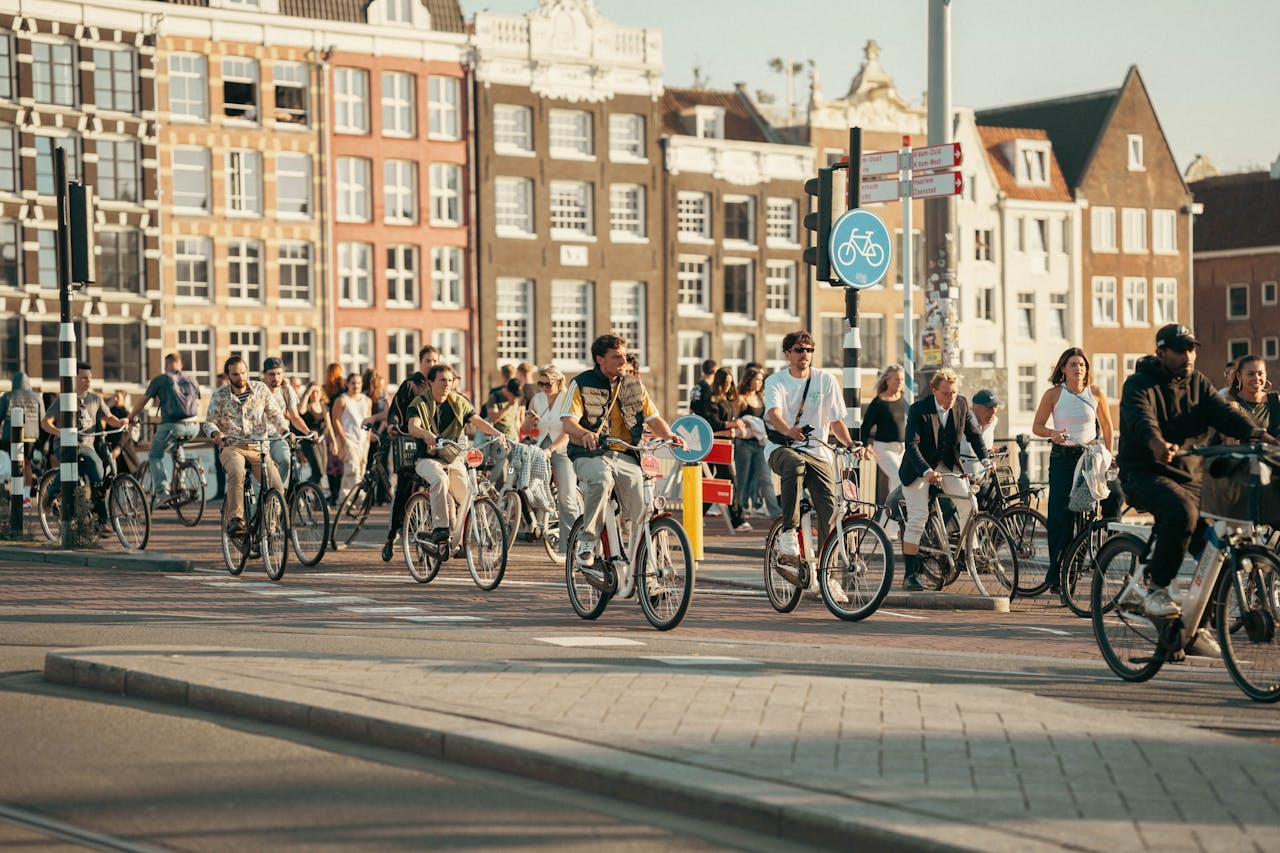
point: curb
(143, 562)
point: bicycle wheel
(486, 544)
(128, 512)
(863, 573)
(665, 573)
(1079, 562)
(992, 555)
(273, 530)
(189, 503)
(351, 516)
(783, 594)
(420, 555)
(235, 549)
(509, 503)
(934, 568)
(308, 523)
(551, 535)
(1030, 531)
(587, 601)
(144, 479)
(1248, 607)
(1129, 642)
(49, 501)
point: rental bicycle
(127, 511)
(186, 488)
(537, 513)
(266, 527)
(308, 510)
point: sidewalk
(827, 759)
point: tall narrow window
(513, 311)
(1103, 228)
(119, 170)
(193, 277)
(351, 100)
(1026, 316)
(513, 207)
(739, 219)
(399, 110)
(355, 265)
(293, 186)
(739, 287)
(452, 346)
(571, 211)
(244, 182)
(1164, 231)
(290, 79)
(446, 194)
(10, 172)
(240, 89)
(1057, 315)
(353, 189)
(1134, 226)
(248, 344)
(6, 66)
(115, 80)
(244, 271)
(120, 260)
(402, 276)
(355, 350)
(692, 348)
(571, 327)
(780, 289)
(295, 272)
(402, 355)
(442, 107)
(693, 216)
(1164, 300)
(53, 73)
(628, 316)
(195, 345)
(694, 279)
(626, 137)
(296, 351)
(400, 192)
(188, 87)
(10, 253)
(512, 129)
(571, 135)
(45, 146)
(781, 222)
(191, 180)
(1104, 301)
(1135, 301)
(446, 277)
(626, 212)
(122, 345)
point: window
(193, 279)
(10, 253)
(293, 185)
(402, 355)
(54, 73)
(694, 277)
(739, 287)
(446, 194)
(871, 330)
(1131, 360)
(1135, 301)
(571, 135)
(1268, 293)
(290, 80)
(985, 304)
(195, 345)
(1020, 234)
(1238, 302)
(442, 108)
(402, 276)
(355, 350)
(1104, 301)
(736, 350)
(119, 175)
(982, 244)
(571, 213)
(446, 277)
(626, 212)
(351, 100)
(1103, 228)
(626, 138)
(693, 216)
(1270, 348)
(1135, 229)
(739, 219)
(708, 122)
(1164, 232)
(452, 346)
(1057, 315)
(400, 192)
(47, 260)
(10, 172)
(1164, 301)
(45, 146)
(1104, 370)
(514, 315)
(354, 271)
(1038, 245)
(240, 89)
(353, 189)
(188, 88)
(244, 182)
(781, 220)
(1238, 348)
(983, 358)
(513, 207)
(248, 344)
(1033, 166)
(1135, 153)
(295, 272)
(512, 129)
(831, 340)
(6, 66)
(571, 327)
(628, 317)
(399, 108)
(114, 80)
(1026, 316)
(191, 170)
(244, 270)
(49, 348)
(398, 12)
(1027, 401)
(122, 346)
(119, 265)
(296, 348)
(692, 348)
(780, 289)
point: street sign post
(946, 156)
(861, 248)
(880, 191)
(879, 163)
(937, 185)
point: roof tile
(993, 141)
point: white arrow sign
(944, 156)
(879, 191)
(692, 440)
(879, 163)
(937, 184)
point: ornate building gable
(872, 102)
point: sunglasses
(542, 384)
(802, 349)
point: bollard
(691, 482)
(1024, 462)
(16, 485)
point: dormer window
(709, 123)
(1032, 164)
(397, 11)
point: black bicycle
(308, 510)
(127, 511)
(266, 526)
(186, 487)
(353, 512)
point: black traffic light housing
(819, 222)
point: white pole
(908, 326)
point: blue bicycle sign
(860, 248)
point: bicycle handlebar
(103, 432)
(1242, 451)
(645, 446)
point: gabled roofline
(766, 128)
(1164, 137)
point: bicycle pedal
(791, 576)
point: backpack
(183, 400)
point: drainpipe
(473, 226)
(329, 330)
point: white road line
(336, 599)
(1047, 631)
(902, 615)
(290, 592)
(392, 609)
(442, 618)
(244, 584)
(588, 642)
(695, 660)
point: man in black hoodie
(1167, 405)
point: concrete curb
(143, 562)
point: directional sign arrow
(692, 438)
(937, 184)
(879, 191)
(945, 156)
(879, 163)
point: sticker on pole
(860, 248)
(698, 439)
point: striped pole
(852, 376)
(67, 402)
(16, 486)
(908, 275)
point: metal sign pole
(908, 324)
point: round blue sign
(698, 438)
(860, 248)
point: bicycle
(855, 562)
(1237, 576)
(266, 519)
(1001, 497)
(353, 512)
(477, 529)
(520, 509)
(308, 510)
(985, 544)
(186, 489)
(658, 545)
(127, 509)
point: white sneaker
(744, 527)
(714, 512)
(789, 543)
(586, 557)
(1203, 645)
(1157, 602)
(836, 588)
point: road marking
(244, 584)
(1048, 631)
(902, 615)
(382, 609)
(588, 642)
(695, 660)
(289, 592)
(443, 618)
(335, 599)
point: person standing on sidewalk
(883, 425)
(21, 396)
(179, 399)
(755, 480)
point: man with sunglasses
(801, 406)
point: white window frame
(402, 355)
(693, 216)
(199, 360)
(749, 241)
(1270, 348)
(188, 251)
(572, 210)
(1136, 155)
(189, 100)
(119, 171)
(513, 207)
(355, 350)
(355, 275)
(1105, 301)
(1025, 309)
(446, 277)
(443, 115)
(750, 282)
(628, 316)
(1102, 229)
(399, 12)
(781, 288)
(627, 212)
(572, 323)
(1164, 232)
(297, 255)
(1058, 315)
(514, 316)
(1033, 167)
(43, 74)
(1105, 368)
(290, 166)
(400, 192)
(1037, 231)
(243, 292)
(1134, 230)
(1135, 301)
(399, 104)
(1269, 293)
(708, 122)
(196, 162)
(353, 189)
(571, 135)
(693, 291)
(626, 138)
(984, 306)
(403, 276)
(692, 348)
(513, 130)
(782, 223)
(243, 182)
(1164, 301)
(1025, 384)
(1238, 348)
(350, 100)
(120, 84)
(446, 194)
(291, 76)
(297, 351)
(242, 69)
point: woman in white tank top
(1080, 411)
(350, 411)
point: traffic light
(819, 222)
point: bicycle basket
(404, 452)
(850, 489)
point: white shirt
(823, 406)
(549, 423)
(943, 414)
(973, 466)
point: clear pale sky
(1212, 68)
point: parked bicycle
(266, 527)
(353, 512)
(126, 505)
(659, 548)
(186, 487)
(1000, 496)
(853, 566)
(308, 510)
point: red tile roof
(993, 142)
(739, 122)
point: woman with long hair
(350, 411)
(542, 421)
(334, 386)
(754, 477)
(721, 411)
(313, 406)
(375, 388)
(1222, 492)
(884, 425)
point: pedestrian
(699, 393)
(21, 396)
(350, 411)
(314, 408)
(495, 398)
(375, 388)
(524, 372)
(334, 387)
(883, 427)
(721, 410)
(1225, 491)
(755, 480)
(121, 444)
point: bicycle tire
(144, 480)
(866, 575)
(190, 500)
(234, 548)
(1247, 614)
(665, 573)
(308, 523)
(1078, 563)
(783, 594)
(934, 570)
(1030, 531)
(351, 515)
(485, 536)
(509, 504)
(551, 535)
(128, 513)
(1130, 643)
(992, 550)
(273, 532)
(49, 505)
(586, 600)
(422, 561)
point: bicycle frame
(846, 500)
(474, 458)
(654, 508)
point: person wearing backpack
(179, 400)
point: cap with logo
(1175, 336)
(271, 364)
(986, 397)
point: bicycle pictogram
(860, 244)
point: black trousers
(404, 490)
(1176, 508)
(1063, 523)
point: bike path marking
(443, 618)
(588, 642)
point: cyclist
(90, 410)
(287, 400)
(1165, 405)
(935, 426)
(240, 410)
(440, 412)
(179, 399)
(799, 403)
(603, 403)
(397, 417)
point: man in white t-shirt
(801, 405)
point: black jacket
(922, 451)
(1179, 410)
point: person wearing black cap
(287, 399)
(1167, 405)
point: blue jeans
(160, 444)
(90, 465)
(754, 477)
(280, 456)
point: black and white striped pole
(852, 376)
(67, 401)
(16, 486)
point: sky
(1211, 68)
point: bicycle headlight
(659, 503)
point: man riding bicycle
(90, 410)
(240, 411)
(287, 400)
(600, 404)
(179, 399)
(397, 418)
